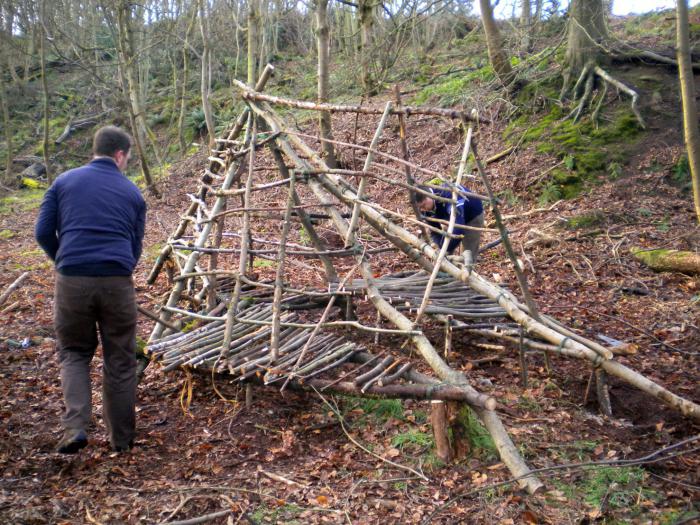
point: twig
(641, 330)
(201, 519)
(183, 502)
(16, 284)
(645, 460)
(282, 479)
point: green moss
(451, 91)
(6, 234)
(263, 263)
(281, 514)
(192, 325)
(31, 253)
(481, 441)
(23, 200)
(32, 267)
(383, 409)
(663, 260)
(586, 220)
(588, 152)
(412, 439)
(628, 486)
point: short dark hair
(420, 197)
(110, 139)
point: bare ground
(287, 459)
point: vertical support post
(248, 395)
(601, 389)
(279, 276)
(522, 281)
(350, 237)
(214, 262)
(523, 360)
(448, 336)
(377, 324)
(438, 420)
(245, 239)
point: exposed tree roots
(583, 92)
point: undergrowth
(588, 150)
(611, 488)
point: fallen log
(663, 260)
(27, 160)
(81, 123)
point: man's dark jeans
(82, 305)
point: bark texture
(497, 55)
(690, 109)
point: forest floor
(287, 458)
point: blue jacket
(467, 209)
(92, 221)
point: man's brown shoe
(73, 440)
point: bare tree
(586, 50)
(494, 42)
(690, 110)
(44, 87)
(253, 43)
(323, 47)
(129, 82)
(206, 70)
(183, 82)
(366, 10)
(7, 129)
(587, 34)
(525, 23)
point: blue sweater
(92, 221)
(467, 209)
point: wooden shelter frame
(267, 341)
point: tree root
(587, 79)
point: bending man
(91, 224)
(436, 213)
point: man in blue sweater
(469, 212)
(91, 224)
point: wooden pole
(438, 420)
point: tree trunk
(690, 110)
(185, 76)
(128, 80)
(366, 14)
(206, 72)
(494, 42)
(538, 10)
(525, 21)
(45, 91)
(8, 131)
(587, 30)
(253, 21)
(323, 47)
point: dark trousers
(82, 306)
(472, 238)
